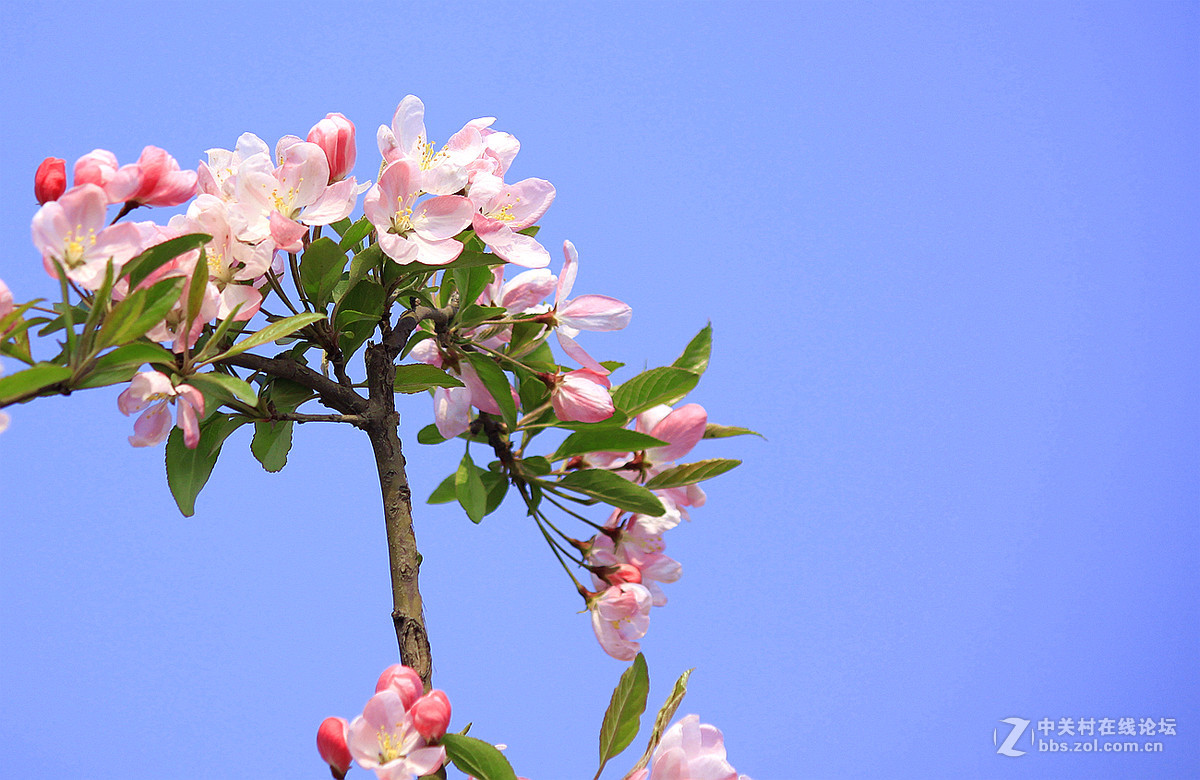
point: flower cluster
(396, 735)
(627, 556)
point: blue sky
(949, 252)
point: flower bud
(431, 715)
(404, 681)
(50, 181)
(335, 135)
(624, 572)
(331, 744)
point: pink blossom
(587, 312)
(431, 715)
(6, 300)
(404, 681)
(99, 167)
(582, 396)
(162, 182)
(331, 744)
(385, 740)
(411, 232)
(335, 135)
(691, 750)
(71, 231)
(154, 390)
(505, 209)
(50, 180)
(438, 172)
(652, 566)
(620, 616)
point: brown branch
(332, 394)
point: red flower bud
(331, 744)
(335, 135)
(50, 181)
(431, 715)
(623, 573)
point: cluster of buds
(396, 735)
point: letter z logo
(1008, 748)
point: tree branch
(333, 394)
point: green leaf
(360, 265)
(536, 465)
(123, 362)
(663, 718)
(320, 269)
(430, 435)
(445, 492)
(221, 388)
(419, 377)
(475, 315)
(496, 487)
(342, 225)
(31, 380)
(470, 282)
(159, 255)
(496, 382)
(188, 470)
(271, 443)
(605, 440)
(285, 395)
(354, 234)
(696, 353)
(625, 709)
(469, 488)
(612, 489)
(691, 473)
(197, 286)
(712, 431)
(139, 312)
(650, 388)
(100, 305)
(272, 332)
(477, 758)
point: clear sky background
(949, 251)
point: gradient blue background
(950, 254)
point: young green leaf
(713, 431)
(354, 234)
(188, 470)
(271, 443)
(496, 487)
(37, 377)
(159, 255)
(445, 492)
(477, 758)
(272, 332)
(696, 353)
(605, 440)
(468, 486)
(419, 377)
(663, 718)
(430, 435)
(664, 385)
(123, 362)
(691, 473)
(320, 268)
(221, 388)
(140, 311)
(496, 382)
(625, 709)
(612, 489)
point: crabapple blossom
(620, 617)
(162, 183)
(690, 750)
(411, 232)
(651, 567)
(431, 715)
(587, 312)
(581, 396)
(331, 744)
(404, 681)
(335, 135)
(385, 740)
(50, 180)
(505, 209)
(153, 389)
(100, 167)
(71, 231)
(441, 172)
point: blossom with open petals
(411, 232)
(439, 172)
(72, 231)
(620, 617)
(385, 739)
(154, 390)
(691, 750)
